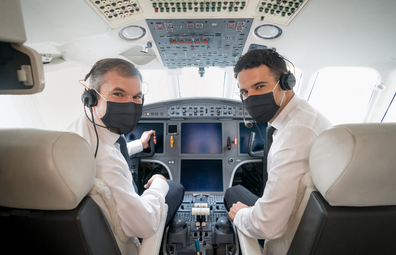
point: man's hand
(235, 208)
(145, 138)
(148, 184)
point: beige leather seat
(353, 167)
(45, 177)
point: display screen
(172, 129)
(159, 133)
(202, 175)
(244, 133)
(201, 138)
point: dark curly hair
(256, 58)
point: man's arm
(145, 138)
(140, 215)
(288, 161)
(149, 182)
(138, 145)
(235, 209)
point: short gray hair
(100, 69)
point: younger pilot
(266, 88)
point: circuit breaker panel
(199, 42)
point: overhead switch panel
(198, 42)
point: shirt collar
(282, 115)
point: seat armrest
(152, 244)
(248, 245)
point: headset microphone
(248, 124)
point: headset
(287, 81)
(90, 99)
(89, 96)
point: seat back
(45, 177)
(353, 167)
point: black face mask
(263, 107)
(122, 116)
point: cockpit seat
(352, 207)
(45, 177)
(353, 167)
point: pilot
(265, 86)
(115, 99)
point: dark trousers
(241, 194)
(173, 199)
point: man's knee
(176, 185)
(230, 191)
(176, 189)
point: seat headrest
(45, 170)
(355, 164)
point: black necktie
(124, 151)
(267, 146)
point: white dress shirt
(140, 215)
(297, 127)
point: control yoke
(259, 153)
(146, 154)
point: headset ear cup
(89, 98)
(287, 81)
(291, 80)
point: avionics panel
(201, 138)
(146, 126)
(225, 135)
(202, 175)
(244, 133)
(199, 42)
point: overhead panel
(199, 42)
(117, 13)
(198, 6)
(123, 12)
(279, 11)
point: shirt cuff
(161, 185)
(134, 147)
(239, 217)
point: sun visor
(21, 68)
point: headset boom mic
(248, 124)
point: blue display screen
(201, 138)
(202, 175)
(244, 133)
(159, 133)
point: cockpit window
(344, 94)
(157, 83)
(186, 82)
(390, 114)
